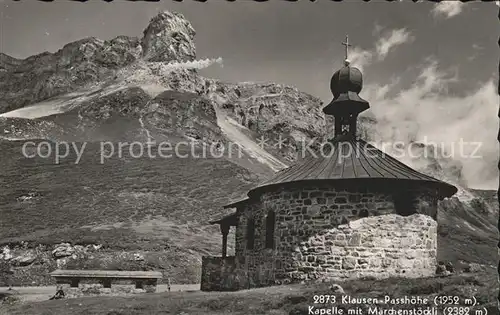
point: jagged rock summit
(169, 36)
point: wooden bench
(141, 279)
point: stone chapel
(354, 213)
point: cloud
(476, 52)
(384, 45)
(448, 9)
(195, 64)
(477, 47)
(360, 58)
(426, 110)
(396, 38)
(377, 29)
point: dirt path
(35, 294)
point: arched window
(250, 233)
(404, 203)
(270, 223)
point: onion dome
(346, 83)
(346, 79)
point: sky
(431, 69)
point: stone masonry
(326, 233)
(218, 274)
(93, 287)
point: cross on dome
(347, 45)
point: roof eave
(231, 220)
(237, 203)
(443, 189)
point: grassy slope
(120, 190)
(467, 233)
(158, 205)
(293, 299)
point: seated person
(59, 294)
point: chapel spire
(346, 105)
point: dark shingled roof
(365, 162)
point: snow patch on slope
(60, 104)
(233, 132)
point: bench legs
(150, 286)
(74, 282)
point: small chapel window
(404, 203)
(270, 222)
(250, 234)
(363, 213)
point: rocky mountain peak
(169, 37)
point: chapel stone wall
(329, 233)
